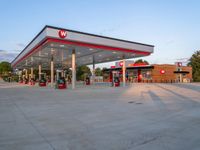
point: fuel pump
(20, 80)
(43, 81)
(31, 80)
(87, 80)
(116, 80)
(60, 80)
(25, 80)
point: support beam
(40, 71)
(124, 72)
(73, 69)
(52, 72)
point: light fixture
(114, 52)
(91, 49)
(132, 54)
(52, 51)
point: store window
(179, 69)
(146, 74)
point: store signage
(162, 71)
(62, 33)
(179, 64)
(121, 63)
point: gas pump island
(60, 80)
(53, 47)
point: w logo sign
(62, 33)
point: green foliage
(141, 61)
(195, 63)
(98, 72)
(15, 78)
(82, 72)
(5, 68)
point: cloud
(20, 45)
(170, 42)
(7, 55)
(109, 30)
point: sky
(173, 26)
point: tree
(141, 61)
(98, 72)
(5, 68)
(194, 62)
(82, 72)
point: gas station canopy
(57, 44)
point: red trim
(48, 40)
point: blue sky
(173, 26)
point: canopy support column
(20, 74)
(52, 71)
(31, 72)
(124, 72)
(39, 71)
(73, 69)
(26, 73)
(93, 70)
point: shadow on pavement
(179, 95)
(188, 86)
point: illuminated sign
(162, 71)
(179, 64)
(121, 63)
(62, 34)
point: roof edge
(29, 43)
(59, 28)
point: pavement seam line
(32, 124)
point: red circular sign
(179, 64)
(62, 33)
(121, 63)
(162, 71)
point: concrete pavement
(138, 117)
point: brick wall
(169, 75)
